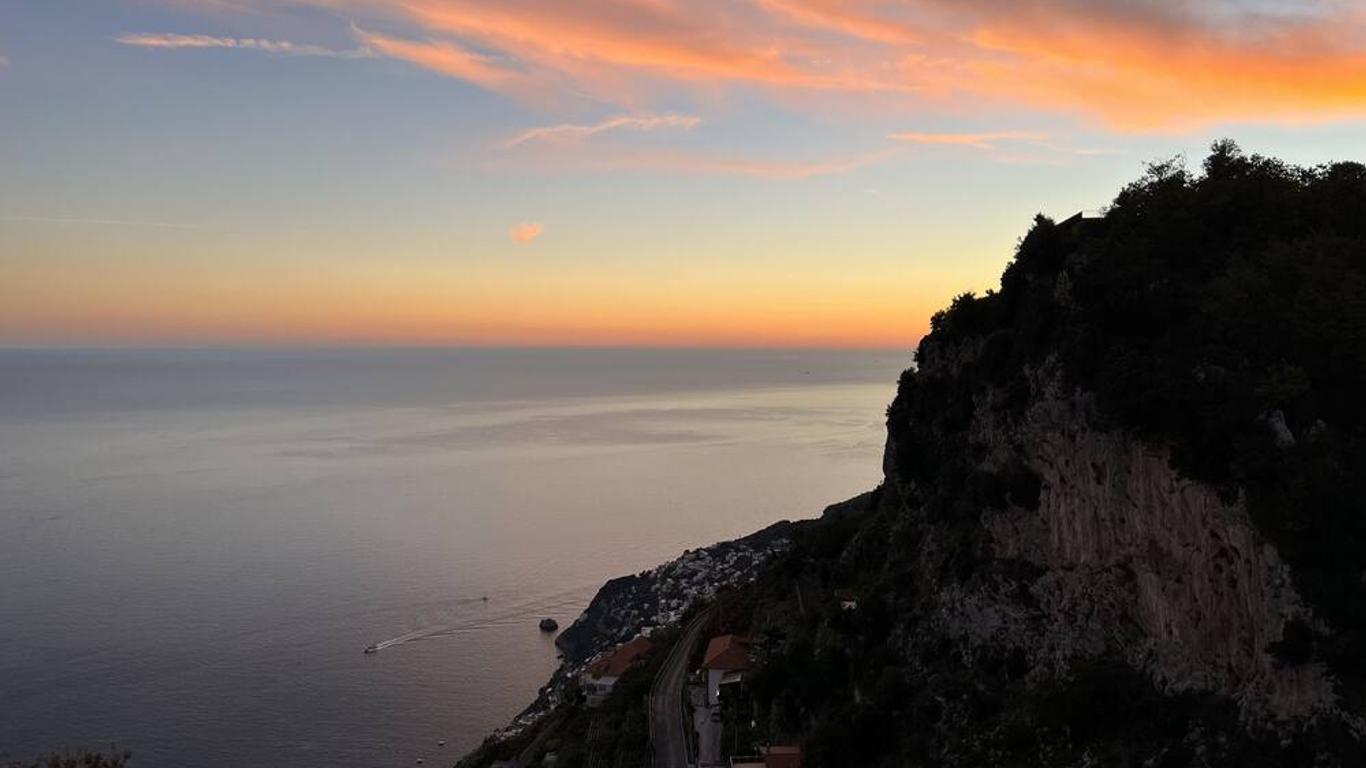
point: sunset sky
(634, 172)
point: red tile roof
(622, 658)
(727, 652)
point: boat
(549, 625)
(369, 649)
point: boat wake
(450, 621)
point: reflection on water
(197, 545)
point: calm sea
(195, 546)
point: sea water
(197, 545)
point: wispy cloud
(455, 60)
(572, 133)
(617, 51)
(986, 141)
(174, 41)
(1013, 147)
(853, 19)
(526, 232)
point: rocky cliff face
(1024, 540)
(1128, 559)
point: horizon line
(307, 346)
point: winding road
(668, 727)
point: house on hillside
(597, 680)
(725, 661)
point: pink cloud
(526, 232)
(987, 141)
(451, 59)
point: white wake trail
(518, 613)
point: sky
(746, 173)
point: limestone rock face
(1137, 560)
(1120, 556)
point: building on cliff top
(725, 660)
(603, 673)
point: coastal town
(620, 631)
(631, 606)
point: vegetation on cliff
(1223, 314)
(78, 759)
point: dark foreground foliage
(81, 759)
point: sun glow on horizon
(719, 173)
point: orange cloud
(654, 37)
(1154, 65)
(526, 231)
(451, 59)
(846, 17)
(1135, 79)
(614, 53)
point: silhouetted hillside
(1223, 315)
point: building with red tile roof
(603, 673)
(729, 653)
(725, 660)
